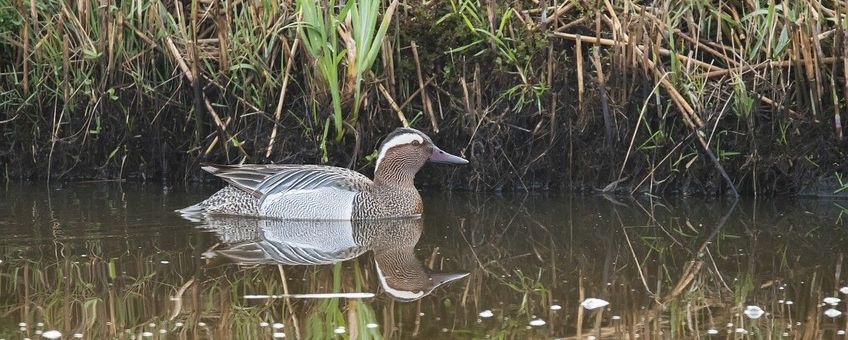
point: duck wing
(263, 180)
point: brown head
(404, 277)
(404, 152)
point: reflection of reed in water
(269, 241)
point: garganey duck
(249, 241)
(316, 192)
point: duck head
(405, 278)
(405, 150)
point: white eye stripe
(405, 138)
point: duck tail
(193, 212)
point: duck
(251, 241)
(319, 192)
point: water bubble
(22, 324)
(179, 324)
(741, 331)
(780, 301)
(593, 303)
(277, 325)
(279, 335)
(712, 331)
(371, 325)
(201, 324)
(537, 322)
(486, 314)
(78, 335)
(754, 312)
(832, 313)
(264, 324)
(789, 302)
(844, 290)
(37, 332)
(420, 314)
(444, 330)
(785, 334)
(339, 330)
(833, 301)
(151, 325)
(164, 262)
(163, 331)
(556, 307)
(147, 334)
(616, 317)
(40, 324)
(729, 324)
(840, 332)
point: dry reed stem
(581, 296)
(191, 78)
(393, 104)
(25, 56)
(642, 48)
(282, 97)
(579, 57)
(425, 99)
(765, 64)
(636, 129)
(559, 11)
(415, 93)
(288, 300)
(178, 299)
(605, 109)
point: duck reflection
(392, 241)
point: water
(104, 260)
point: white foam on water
(832, 313)
(754, 312)
(833, 301)
(537, 322)
(593, 303)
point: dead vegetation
(690, 97)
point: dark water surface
(108, 260)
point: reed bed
(691, 96)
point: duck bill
(440, 156)
(443, 278)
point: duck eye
(415, 142)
